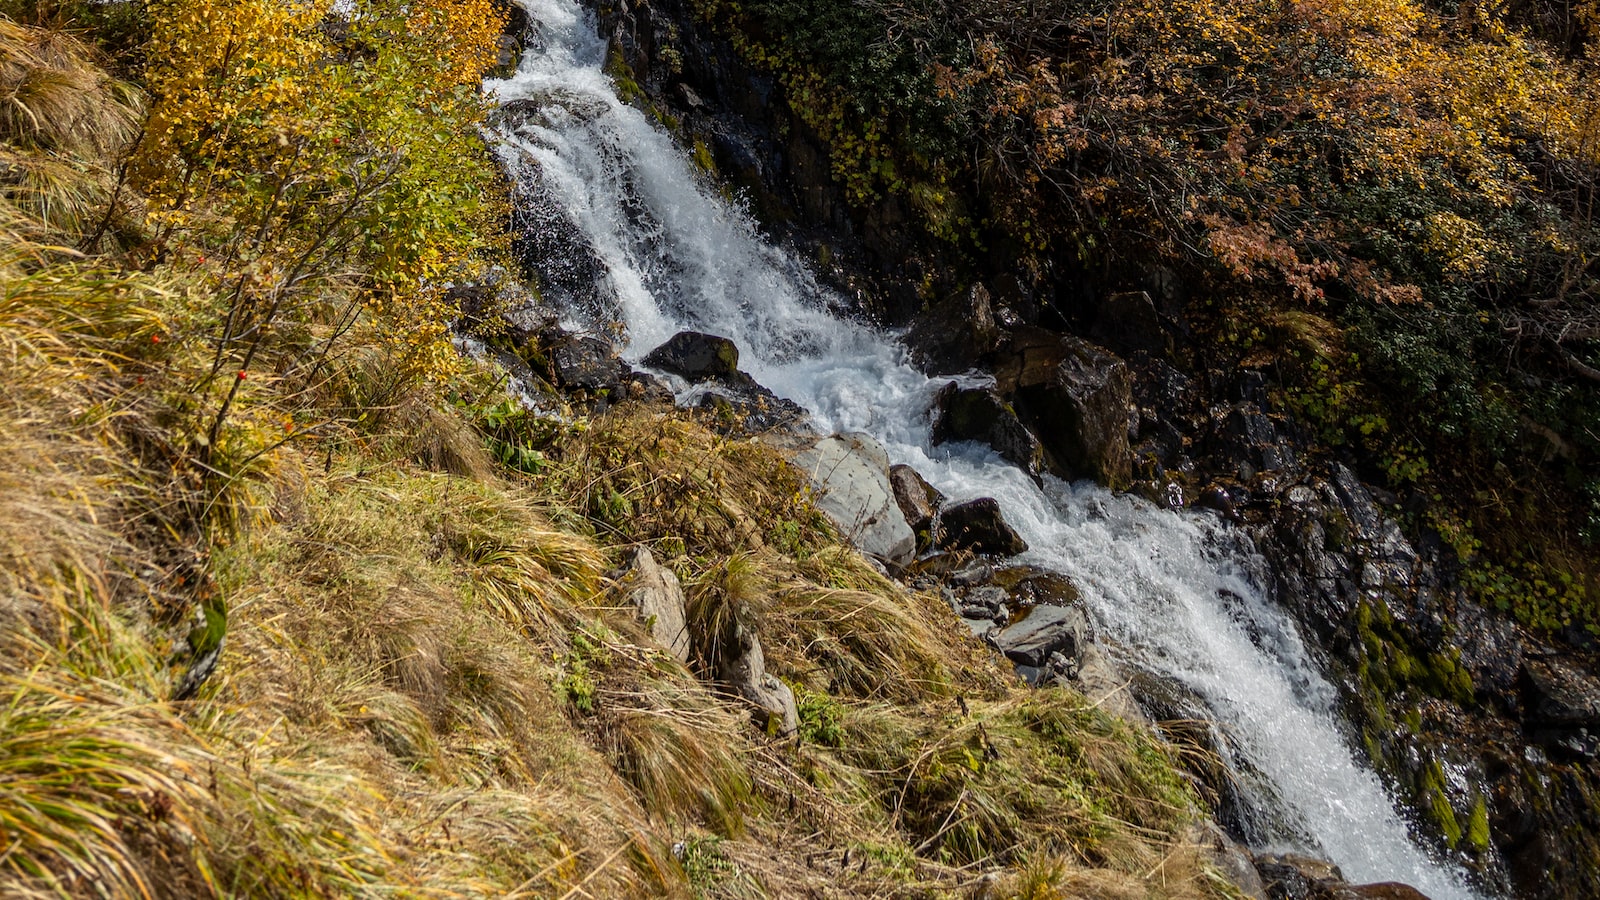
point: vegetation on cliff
(1390, 205)
(295, 602)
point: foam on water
(1176, 590)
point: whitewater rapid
(1177, 591)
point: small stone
(918, 500)
(657, 597)
(973, 573)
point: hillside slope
(300, 602)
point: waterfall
(1176, 591)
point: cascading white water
(1174, 589)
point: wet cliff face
(1488, 731)
(738, 122)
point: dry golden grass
(400, 710)
(55, 94)
(64, 124)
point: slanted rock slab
(1045, 630)
(850, 475)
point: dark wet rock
(657, 598)
(977, 525)
(1253, 432)
(982, 415)
(1080, 409)
(1219, 497)
(1044, 630)
(1032, 586)
(646, 388)
(1386, 890)
(1291, 876)
(554, 251)
(850, 476)
(952, 336)
(1558, 694)
(918, 500)
(1130, 322)
(586, 362)
(1492, 650)
(749, 410)
(697, 357)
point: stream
(1177, 594)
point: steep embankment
(296, 601)
(1346, 253)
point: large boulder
(977, 525)
(849, 474)
(657, 598)
(981, 414)
(951, 336)
(1081, 408)
(697, 357)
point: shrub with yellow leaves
(308, 163)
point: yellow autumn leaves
(321, 155)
